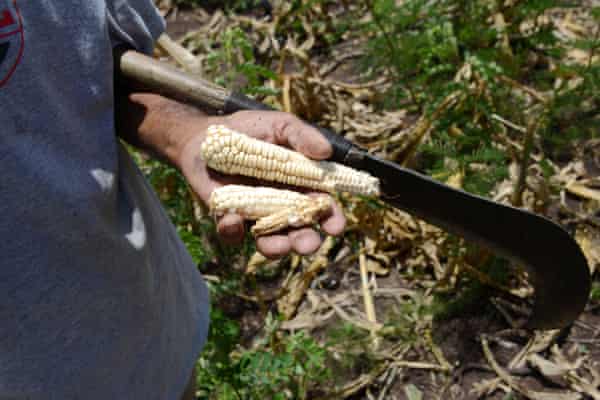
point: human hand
(274, 127)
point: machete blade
(554, 261)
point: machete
(555, 263)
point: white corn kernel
(267, 161)
(273, 209)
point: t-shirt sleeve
(137, 23)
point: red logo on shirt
(11, 40)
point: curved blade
(555, 263)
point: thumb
(231, 229)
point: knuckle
(283, 127)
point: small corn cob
(231, 152)
(273, 209)
(294, 217)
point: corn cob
(231, 152)
(273, 209)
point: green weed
(424, 45)
(234, 65)
(279, 367)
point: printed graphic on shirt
(11, 39)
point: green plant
(352, 350)
(471, 295)
(515, 94)
(478, 50)
(595, 292)
(233, 64)
(279, 367)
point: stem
(517, 198)
(238, 395)
(393, 49)
(595, 46)
(367, 297)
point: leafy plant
(471, 296)
(595, 292)
(476, 49)
(234, 65)
(279, 367)
(353, 353)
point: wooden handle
(165, 79)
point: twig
(532, 92)
(366, 325)
(367, 297)
(517, 198)
(437, 352)
(180, 54)
(504, 313)
(419, 365)
(393, 372)
(516, 386)
(583, 191)
(358, 384)
(508, 123)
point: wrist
(168, 126)
(186, 137)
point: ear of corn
(273, 209)
(293, 217)
(253, 202)
(231, 152)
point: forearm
(158, 125)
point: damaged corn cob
(273, 209)
(231, 152)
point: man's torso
(96, 290)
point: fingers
(283, 129)
(305, 241)
(292, 132)
(231, 229)
(274, 246)
(302, 241)
(286, 130)
(335, 223)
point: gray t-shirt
(98, 297)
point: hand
(274, 127)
